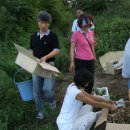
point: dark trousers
(90, 66)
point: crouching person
(75, 116)
(45, 46)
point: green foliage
(8, 21)
(111, 21)
(94, 6)
(22, 76)
(60, 77)
(99, 92)
(113, 34)
(114, 97)
(15, 14)
(18, 22)
(62, 61)
(56, 9)
(15, 113)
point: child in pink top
(82, 50)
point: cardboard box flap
(46, 66)
(25, 52)
(109, 68)
(28, 54)
(102, 118)
(114, 126)
(110, 57)
(119, 55)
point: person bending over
(75, 116)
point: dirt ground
(116, 84)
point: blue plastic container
(25, 88)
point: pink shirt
(83, 50)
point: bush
(112, 35)
(62, 61)
(15, 113)
(18, 17)
(95, 6)
(22, 76)
(18, 22)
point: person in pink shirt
(82, 52)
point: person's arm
(98, 99)
(92, 42)
(52, 54)
(94, 53)
(85, 99)
(72, 51)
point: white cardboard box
(107, 59)
(27, 61)
(110, 69)
(110, 126)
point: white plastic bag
(120, 103)
(126, 61)
(119, 64)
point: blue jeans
(43, 88)
(129, 84)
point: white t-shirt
(70, 108)
(75, 26)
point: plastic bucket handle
(14, 79)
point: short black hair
(83, 17)
(44, 16)
(78, 8)
(82, 77)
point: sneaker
(40, 116)
(52, 105)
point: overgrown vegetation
(18, 22)
(111, 18)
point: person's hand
(95, 58)
(113, 107)
(72, 67)
(111, 102)
(43, 59)
(108, 101)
